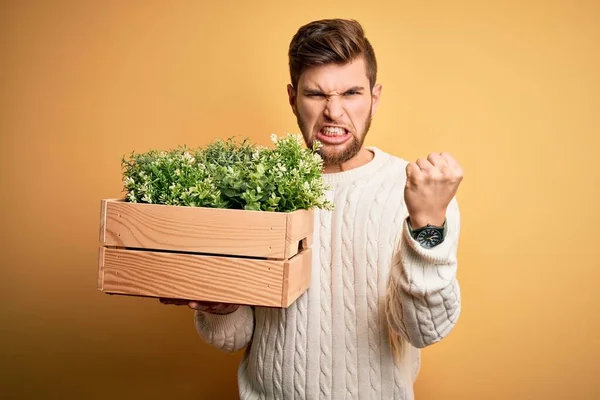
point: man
(384, 281)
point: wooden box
(231, 256)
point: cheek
(358, 112)
(308, 113)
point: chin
(339, 154)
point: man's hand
(206, 306)
(430, 186)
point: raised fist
(430, 186)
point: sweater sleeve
(229, 332)
(423, 298)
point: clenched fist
(430, 186)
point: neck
(360, 159)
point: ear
(292, 98)
(376, 95)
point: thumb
(412, 170)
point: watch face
(429, 237)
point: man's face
(334, 105)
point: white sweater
(369, 277)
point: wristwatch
(428, 236)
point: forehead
(333, 77)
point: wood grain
(103, 205)
(206, 254)
(198, 277)
(100, 265)
(297, 275)
(196, 229)
(300, 225)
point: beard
(332, 156)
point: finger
(413, 171)
(424, 165)
(449, 160)
(428, 170)
(456, 168)
(200, 305)
(203, 306)
(437, 160)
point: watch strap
(415, 232)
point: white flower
(129, 181)
(298, 138)
(274, 138)
(187, 157)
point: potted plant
(229, 222)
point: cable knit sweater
(370, 280)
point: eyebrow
(309, 91)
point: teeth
(333, 131)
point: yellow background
(511, 88)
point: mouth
(333, 135)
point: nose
(333, 108)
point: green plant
(230, 174)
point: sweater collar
(379, 158)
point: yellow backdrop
(510, 88)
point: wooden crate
(231, 256)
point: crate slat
(204, 277)
(202, 230)
(297, 277)
(300, 226)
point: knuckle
(437, 175)
(418, 179)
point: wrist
(419, 221)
